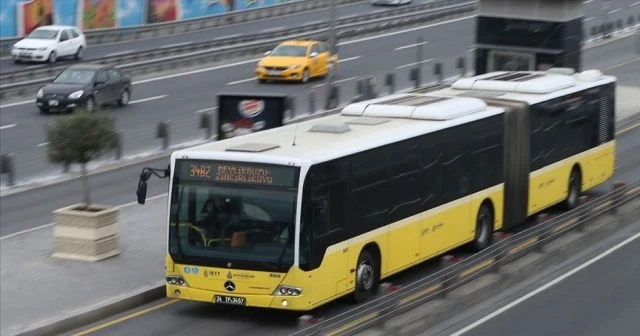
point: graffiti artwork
(162, 11)
(20, 17)
(99, 14)
(33, 14)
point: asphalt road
(183, 96)
(593, 11)
(180, 99)
(601, 299)
(277, 23)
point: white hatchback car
(48, 43)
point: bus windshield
(233, 215)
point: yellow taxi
(297, 60)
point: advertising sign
(240, 114)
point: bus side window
(326, 208)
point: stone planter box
(89, 234)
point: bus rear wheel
(484, 228)
(575, 182)
(367, 277)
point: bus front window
(223, 224)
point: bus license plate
(232, 300)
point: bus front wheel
(367, 277)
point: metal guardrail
(46, 71)
(109, 35)
(253, 48)
(375, 313)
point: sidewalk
(37, 290)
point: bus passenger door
(328, 256)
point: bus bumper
(250, 300)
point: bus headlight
(287, 291)
(176, 280)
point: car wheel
(305, 75)
(262, 81)
(125, 96)
(53, 57)
(90, 104)
(17, 61)
(44, 110)
(79, 54)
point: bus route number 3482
(232, 300)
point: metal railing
(348, 27)
(109, 35)
(376, 312)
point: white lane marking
(413, 64)
(405, 30)
(206, 109)
(622, 64)
(615, 10)
(126, 205)
(192, 72)
(349, 59)
(177, 44)
(241, 81)
(16, 103)
(411, 45)
(336, 82)
(119, 53)
(586, 2)
(634, 4)
(4, 127)
(226, 36)
(588, 19)
(274, 28)
(217, 67)
(42, 144)
(547, 286)
(146, 99)
(228, 65)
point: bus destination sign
(237, 173)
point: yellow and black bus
(294, 217)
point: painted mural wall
(20, 17)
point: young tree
(79, 138)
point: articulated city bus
(294, 217)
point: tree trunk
(85, 185)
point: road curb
(92, 315)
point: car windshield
(241, 214)
(75, 76)
(43, 34)
(289, 50)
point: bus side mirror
(142, 191)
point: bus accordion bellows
(264, 220)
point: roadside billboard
(243, 113)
